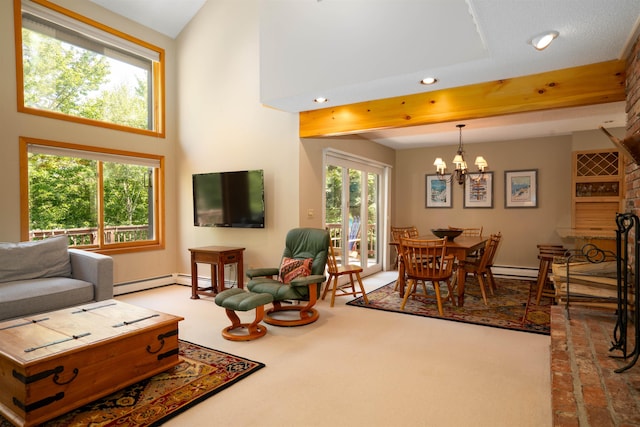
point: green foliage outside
(334, 195)
(66, 79)
(126, 197)
(63, 191)
(334, 204)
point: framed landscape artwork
(437, 191)
(478, 190)
(521, 189)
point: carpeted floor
(201, 373)
(505, 309)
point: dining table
(460, 247)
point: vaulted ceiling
(363, 51)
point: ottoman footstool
(240, 300)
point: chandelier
(461, 172)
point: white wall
(224, 127)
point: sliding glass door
(355, 201)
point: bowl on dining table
(449, 233)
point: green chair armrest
(308, 280)
(262, 272)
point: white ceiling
(168, 17)
(358, 50)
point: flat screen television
(229, 199)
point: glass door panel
(352, 201)
(372, 256)
(355, 218)
(333, 208)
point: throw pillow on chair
(291, 268)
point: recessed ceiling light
(320, 100)
(541, 41)
(428, 80)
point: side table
(217, 256)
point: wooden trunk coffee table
(54, 362)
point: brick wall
(632, 171)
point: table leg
(214, 277)
(194, 278)
(220, 280)
(240, 273)
(460, 274)
(461, 279)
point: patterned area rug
(505, 309)
(201, 373)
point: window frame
(111, 248)
(157, 88)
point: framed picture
(478, 190)
(521, 189)
(437, 191)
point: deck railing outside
(335, 233)
(89, 236)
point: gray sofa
(46, 275)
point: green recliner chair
(299, 278)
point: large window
(72, 68)
(100, 199)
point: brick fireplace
(632, 181)
(585, 389)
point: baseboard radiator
(158, 282)
(205, 282)
(515, 272)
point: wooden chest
(55, 362)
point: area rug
(505, 309)
(201, 373)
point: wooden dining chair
(546, 253)
(335, 272)
(481, 268)
(492, 282)
(426, 261)
(398, 232)
(473, 231)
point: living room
(215, 122)
(213, 135)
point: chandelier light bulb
(460, 173)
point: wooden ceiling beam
(571, 87)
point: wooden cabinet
(597, 190)
(54, 362)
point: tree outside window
(75, 69)
(99, 199)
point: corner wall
(224, 127)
